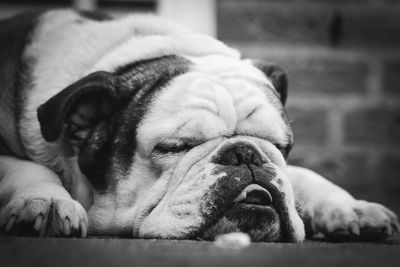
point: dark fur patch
(277, 75)
(15, 35)
(143, 79)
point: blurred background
(343, 60)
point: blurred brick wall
(343, 61)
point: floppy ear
(80, 107)
(277, 76)
(82, 112)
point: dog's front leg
(328, 209)
(34, 202)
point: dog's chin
(261, 223)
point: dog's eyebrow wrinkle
(204, 108)
(181, 126)
(251, 113)
(226, 108)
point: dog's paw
(356, 221)
(44, 217)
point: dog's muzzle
(247, 197)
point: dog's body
(140, 127)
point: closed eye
(175, 147)
(284, 149)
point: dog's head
(179, 147)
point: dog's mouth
(253, 199)
(254, 211)
(254, 195)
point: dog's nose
(238, 153)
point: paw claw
(83, 226)
(38, 222)
(354, 228)
(10, 223)
(67, 226)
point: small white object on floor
(236, 240)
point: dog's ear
(277, 76)
(80, 107)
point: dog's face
(181, 148)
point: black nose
(238, 153)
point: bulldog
(139, 127)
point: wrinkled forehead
(216, 97)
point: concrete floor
(60, 252)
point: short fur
(140, 127)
